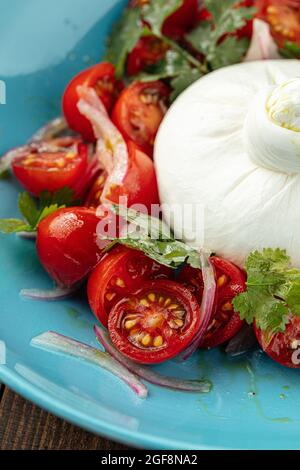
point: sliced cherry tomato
(230, 282)
(67, 244)
(283, 348)
(139, 112)
(93, 199)
(101, 77)
(283, 17)
(148, 51)
(120, 272)
(155, 323)
(140, 184)
(52, 165)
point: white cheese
(226, 144)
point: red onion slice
(202, 386)
(242, 343)
(111, 146)
(207, 305)
(52, 129)
(58, 293)
(54, 342)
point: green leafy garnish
(34, 211)
(291, 50)
(156, 12)
(273, 291)
(154, 238)
(209, 37)
(125, 34)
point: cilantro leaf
(273, 291)
(28, 208)
(125, 34)
(156, 12)
(229, 52)
(187, 77)
(291, 50)
(13, 226)
(228, 16)
(61, 197)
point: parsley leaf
(273, 291)
(187, 77)
(156, 12)
(13, 225)
(125, 34)
(28, 208)
(229, 52)
(291, 50)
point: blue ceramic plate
(254, 403)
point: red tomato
(283, 348)
(101, 77)
(67, 244)
(230, 282)
(155, 323)
(93, 199)
(140, 184)
(139, 112)
(51, 166)
(283, 17)
(148, 51)
(120, 272)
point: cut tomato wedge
(120, 272)
(101, 77)
(52, 165)
(156, 323)
(139, 112)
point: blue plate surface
(254, 403)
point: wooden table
(23, 426)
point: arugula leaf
(125, 34)
(273, 291)
(156, 12)
(154, 238)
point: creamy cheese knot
(272, 128)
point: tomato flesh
(139, 112)
(148, 51)
(120, 272)
(283, 348)
(50, 167)
(67, 244)
(155, 323)
(101, 77)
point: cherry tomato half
(283, 348)
(283, 17)
(101, 77)
(120, 272)
(67, 244)
(148, 51)
(155, 323)
(93, 199)
(230, 282)
(139, 112)
(52, 165)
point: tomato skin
(46, 167)
(67, 245)
(140, 183)
(157, 322)
(132, 267)
(148, 51)
(181, 20)
(280, 348)
(139, 112)
(101, 77)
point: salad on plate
(169, 189)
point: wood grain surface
(23, 426)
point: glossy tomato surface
(101, 77)
(67, 244)
(51, 166)
(155, 323)
(139, 112)
(283, 348)
(120, 272)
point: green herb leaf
(157, 11)
(62, 197)
(13, 225)
(228, 16)
(28, 208)
(187, 77)
(291, 50)
(273, 291)
(229, 52)
(125, 34)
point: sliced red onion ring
(111, 146)
(207, 305)
(54, 342)
(27, 235)
(58, 293)
(202, 386)
(242, 343)
(52, 129)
